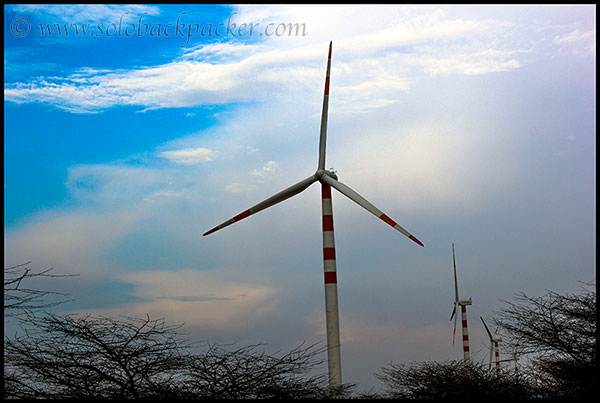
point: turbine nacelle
(324, 172)
(465, 302)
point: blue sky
(467, 124)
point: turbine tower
(493, 347)
(328, 179)
(463, 311)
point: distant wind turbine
(493, 346)
(328, 179)
(515, 359)
(463, 310)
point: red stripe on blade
(416, 240)
(242, 215)
(211, 231)
(327, 223)
(328, 253)
(330, 43)
(388, 220)
(327, 85)
(330, 277)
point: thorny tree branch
(18, 299)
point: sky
(131, 130)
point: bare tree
(97, 357)
(69, 356)
(20, 299)
(451, 380)
(558, 332)
(245, 372)
(75, 356)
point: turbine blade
(453, 312)
(455, 280)
(454, 332)
(487, 330)
(271, 201)
(323, 136)
(491, 353)
(361, 201)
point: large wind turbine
(493, 347)
(463, 310)
(328, 179)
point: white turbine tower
(493, 347)
(463, 310)
(328, 179)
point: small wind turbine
(493, 346)
(328, 179)
(516, 361)
(463, 310)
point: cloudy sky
(129, 131)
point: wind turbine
(463, 310)
(516, 361)
(493, 347)
(328, 179)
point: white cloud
(74, 243)
(488, 61)
(424, 164)
(372, 64)
(221, 51)
(575, 36)
(117, 183)
(189, 156)
(181, 194)
(87, 13)
(207, 299)
(237, 187)
(580, 42)
(269, 168)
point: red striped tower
(331, 296)
(497, 355)
(465, 333)
(463, 311)
(332, 322)
(493, 347)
